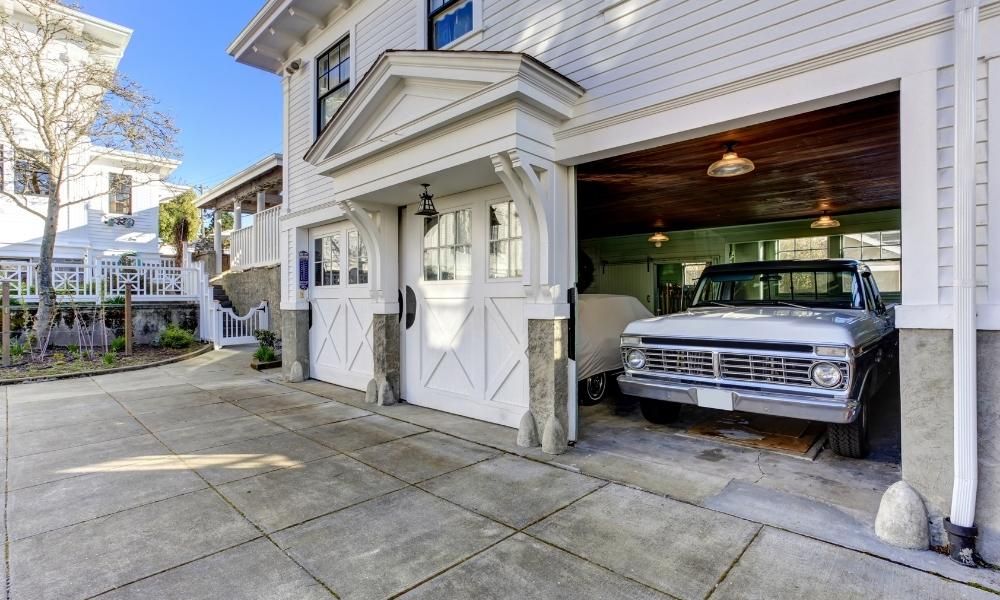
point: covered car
(601, 319)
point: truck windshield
(813, 288)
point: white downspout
(963, 499)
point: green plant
(73, 349)
(175, 337)
(118, 344)
(58, 357)
(115, 300)
(266, 338)
(264, 354)
(16, 349)
(109, 358)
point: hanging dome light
(658, 238)
(730, 165)
(427, 203)
(825, 221)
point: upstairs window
(448, 20)
(333, 79)
(31, 177)
(119, 194)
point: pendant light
(427, 203)
(658, 238)
(825, 221)
(730, 165)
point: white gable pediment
(409, 93)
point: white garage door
(340, 336)
(466, 335)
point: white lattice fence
(231, 329)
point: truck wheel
(658, 411)
(593, 389)
(850, 439)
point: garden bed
(60, 363)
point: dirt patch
(60, 361)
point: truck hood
(763, 323)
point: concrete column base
(546, 421)
(295, 345)
(902, 518)
(383, 389)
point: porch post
(217, 233)
(237, 214)
(261, 201)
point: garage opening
(824, 190)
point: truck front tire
(850, 439)
(658, 411)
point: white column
(261, 201)
(237, 214)
(217, 232)
(963, 499)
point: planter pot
(258, 365)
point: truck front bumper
(813, 408)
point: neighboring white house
(547, 126)
(111, 200)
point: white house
(544, 127)
(110, 203)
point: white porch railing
(97, 282)
(256, 245)
(230, 329)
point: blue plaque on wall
(303, 270)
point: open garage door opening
(775, 287)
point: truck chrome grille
(781, 370)
(696, 363)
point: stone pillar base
(548, 391)
(383, 389)
(295, 345)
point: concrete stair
(219, 293)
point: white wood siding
(390, 26)
(946, 182)
(306, 188)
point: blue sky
(229, 114)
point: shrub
(175, 337)
(266, 338)
(58, 357)
(73, 349)
(16, 349)
(264, 354)
(118, 344)
(109, 358)
(115, 300)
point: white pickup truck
(804, 339)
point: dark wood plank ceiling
(843, 159)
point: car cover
(601, 319)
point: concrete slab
(314, 416)
(65, 502)
(244, 390)
(256, 570)
(174, 418)
(784, 565)
(280, 499)
(46, 390)
(389, 544)
(423, 456)
(514, 491)
(70, 436)
(96, 556)
(265, 404)
(355, 434)
(523, 567)
(217, 433)
(34, 469)
(28, 408)
(98, 410)
(150, 393)
(187, 396)
(248, 458)
(677, 548)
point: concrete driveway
(204, 480)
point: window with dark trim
(31, 177)
(448, 20)
(333, 81)
(119, 194)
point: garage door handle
(411, 307)
(310, 315)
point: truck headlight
(826, 374)
(635, 359)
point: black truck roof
(786, 265)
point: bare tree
(64, 106)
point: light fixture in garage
(658, 238)
(730, 165)
(427, 203)
(825, 221)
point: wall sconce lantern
(427, 203)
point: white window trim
(477, 30)
(490, 240)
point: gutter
(961, 524)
